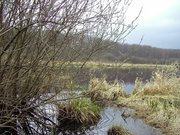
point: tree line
(117, 52)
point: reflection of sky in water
(129, 87)
(112, 116)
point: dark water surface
(122, 75)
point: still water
(111, 116)
(128, 87)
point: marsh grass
(118, 130)
(78, 113)
(163, 82)
(158, 100)
(100, 89)
(100, 65)
(138, 86)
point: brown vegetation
(118, 130)
(77, 113)
(158, 100)
(99, 89)
(34, 36)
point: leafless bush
(38, 38)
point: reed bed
(100, 89)
(158, 100)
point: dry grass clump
(137, 86)
(158, 111)
(158, 101)
(100, 89)
(118, 130)
(164, 82)
(78, 112)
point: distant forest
(116, 52)
(108, 51)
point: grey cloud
(159, 37)
(163, 32)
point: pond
(111, 116)
(122, 75)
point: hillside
(137, 54)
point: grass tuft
(137, 86)
(158, 100)
(78, 112)
(118, 130)
(163, 82)
(100, 89)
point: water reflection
(122, 75)
(128, 87)
(112, 116)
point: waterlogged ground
(111, 116)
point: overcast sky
(159, 23)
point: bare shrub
(38, 40)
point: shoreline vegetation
(76, 114)
(157, 101)
(106, 65)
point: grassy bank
(78, 113)
(119, 65)
(105, 65)
(158, 100)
